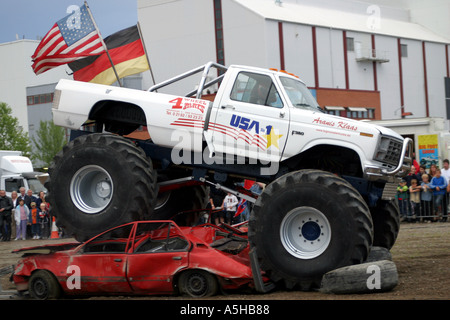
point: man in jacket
(6, 206)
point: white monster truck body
(286, 125)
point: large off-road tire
(386, 223)
(44, 286)
(307, 223)
(99, 181)
(170, 203)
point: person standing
(445, 172)
(5, 216)
(426, 198)
(403, 199)
(230, 203)
(44, 220)
(35, 225)
(439, 186)
(22, 216)
(15, 203)
(414, 193)
(29, 198)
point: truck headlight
(389, 150)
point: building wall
(436, 72)
(413, 78)
(179, 36)
(299, 58)
(388, 78)
(357, 99)
(330, 58)
(247, 36)
(317, 54)
(16, 75)
(360, 73)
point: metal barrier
(436, 209)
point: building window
(335, 111)
(404, 50)
(350, 44)
(40, 99)
(359, 113)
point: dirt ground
(421, 254)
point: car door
(252, 119)
(159, 251)
(102, 262)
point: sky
(30, 19)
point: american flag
(70, 39)
(241, 207)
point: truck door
(252, 120)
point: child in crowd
(426, 196)
(414, 193)
(439, 186)
(403, 196)
(44, 220)
(35, 221)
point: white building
(29, 96)
(366, 60)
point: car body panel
(149, 257)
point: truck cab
(16, 172)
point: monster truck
(330, 181)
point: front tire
(44, 286)
(99, 181)
(307, 223)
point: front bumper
(380, 173)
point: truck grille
(389, 151)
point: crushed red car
(141, 258)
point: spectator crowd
(424, 195)
(24, 215)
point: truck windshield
(36, 185)
(299, 94)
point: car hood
(47, 249)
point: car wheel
(43, 286)
(198, 284)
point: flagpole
(146, 54)
(103, 43)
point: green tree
(12, 136)
(48, 142)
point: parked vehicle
(139, 258)
(17, 171)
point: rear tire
(198, 284)
(170, 203)
(307, 223)
(99, 181)
(386, 223)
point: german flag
(127, 53)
